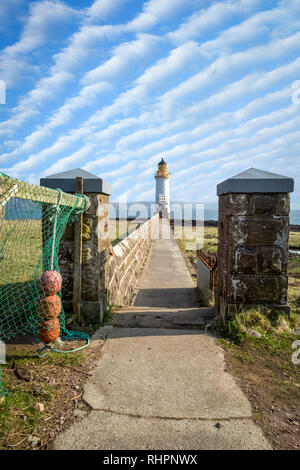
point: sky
(111, 86)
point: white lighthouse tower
(162, 194)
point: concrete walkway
(163, 388)
(166, 296)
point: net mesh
(32, 222)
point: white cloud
(265, 24)
(69, 161)
(85, 98)
(103, 9)
(212, 19)
(77, 52)
(240, 151)
(164, 68)
(123, 57)
(189, 115)
(224, 67)
(204, 20)
(44, 17)
(210, 138)
(70, 58)
(121, 171)
(157, 11)
(233, 92)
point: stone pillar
(95, 241)
(253, 241)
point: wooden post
(77, 255)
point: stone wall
(127, 260)
(95, 252)
(253, 250)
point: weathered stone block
(283, 205)
(86, 255)
(250, 289)
(267, 205)
(86, 228)
(244, 260)
(251, 231)
(238, 204)
(270, 260)
(223, 205)
(263, 204)
(223, 228)
(256, 260)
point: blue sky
(113, 85)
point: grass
(20, 250)
(294, 240)
(210, 239)
(55, 380)
(264, 370)
(190, 237)
(18, 418)
(117, 230)
(294, 286)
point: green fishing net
(32, 222)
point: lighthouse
(162, 194)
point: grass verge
(264, 370)
(44, 393)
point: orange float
(49, 307)
(50, 283)
(49, 330)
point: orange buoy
(49, 331)
(50, 283)
(49, 307)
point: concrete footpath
(158, 387)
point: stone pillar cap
(66, 182)
(256, 181)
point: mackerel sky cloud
(113, 85)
